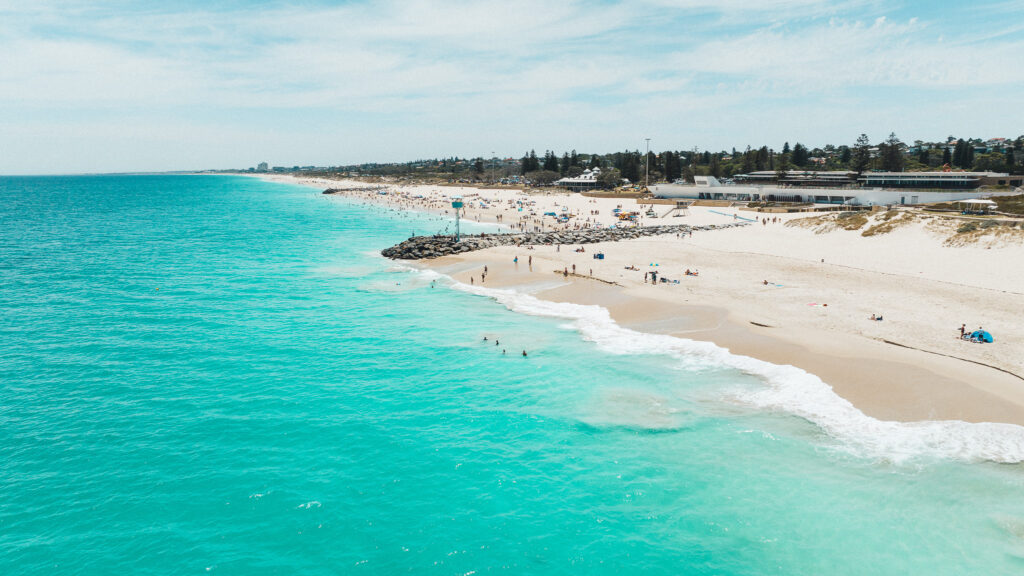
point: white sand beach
(795, 289)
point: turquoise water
(206, 374)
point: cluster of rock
(426, 247)
(354, 189)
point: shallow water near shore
(204, 374)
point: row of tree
(891, 155)
(670, 165)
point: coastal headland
(874, 311)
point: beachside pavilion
(586, 181)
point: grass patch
(851, 220)
(1010, 204)
(888, 222)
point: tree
(947, 160)
(564, 168)
(749, 161)
(892, 154)
(991, 162)
(574, 159)
(630, 168)
(845, 155)
(650, 165)
(715, 167)
(610, 178)
(761, 162)
(673, 168)
(783, 168)
(861, 154)
(542, 177)
(922, 155)
(530, 163)
(550, 161)
(800, 155)
(595, 161)
(478, 166)
(963, 154)
(1009, 159)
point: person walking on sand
(573, 268)
(963, 328)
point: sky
(119, 86)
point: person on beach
(963, 328)
(646, 273)
(515, 260)
(573, 268)
(471, 282)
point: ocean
(217, 374)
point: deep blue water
(206, 374)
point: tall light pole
(647, 165)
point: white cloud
(519, 75)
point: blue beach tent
(981, 336)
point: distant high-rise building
(262, 167)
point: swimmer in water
(524, 352)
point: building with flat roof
(934, 180)
(845, 179)
(828, 178)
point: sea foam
(785, 388)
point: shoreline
(915, 387)
(928, 382)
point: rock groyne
(354, 189)
(427, 247)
